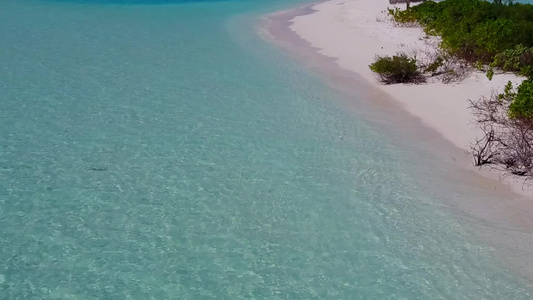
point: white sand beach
(355, 31)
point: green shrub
(522, 105)
(427, 12)
(490, 74)
(498, 33)
(397, 69)
(402, 16)
(474, 30)
(518, 59)
(508, 94)
(493, 36)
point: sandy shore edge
(347, 35)
(352, 32)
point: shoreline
(305, 33)
(442, 107)
(338, 28)
(320, 38)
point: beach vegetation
(521, 106)
(402, 17)
(398, 68)
(474, 30)
(507, 140)
(518, 59)
(490, 74)
(435, 65)
(493, 36)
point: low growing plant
(399, 68)
(402, 16)
(522, 105)
(518, 59)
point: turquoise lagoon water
(167, 152)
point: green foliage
(497, 33)
(402, 16)
(479, 65)
(493, 36)
(508, 88)
(490, 74)
(396, 69)
(435, 65)
(522, 105)
(475, 30)
(508, 92)
(518, 59)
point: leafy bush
(492, 37)
(474, 30)
(518, 59)
(402, 16)
(396, 69)
(522, 105)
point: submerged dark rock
(99, 169)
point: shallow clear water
(167, 152)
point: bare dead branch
(507, 144)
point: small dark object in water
(98, 169)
